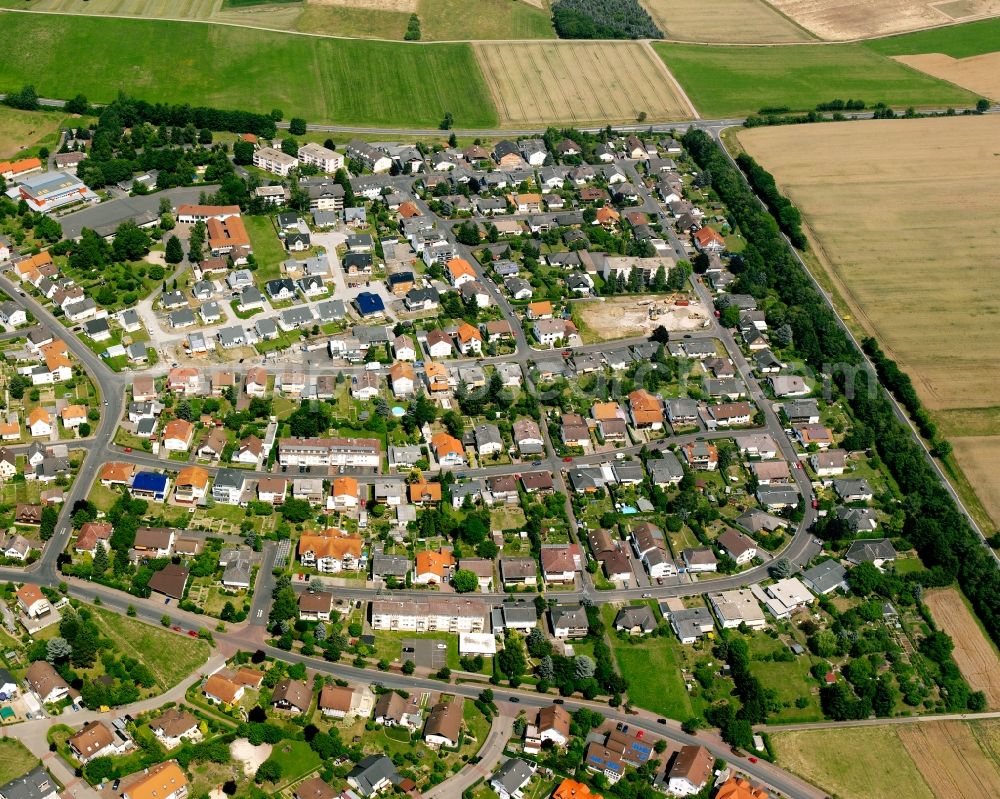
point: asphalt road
(112, 388)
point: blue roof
(369, 303)
(150, 481)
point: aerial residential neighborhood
(550, 452)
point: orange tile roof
(178, 428)
(445, 443)
(467, 332)
(35, 261)
(607, 214)
(408, 210)
(221, 688)
(17, 167)
(739, 788)
(39, 414)
(645, 407)
(12, 428)
(458, 267)
(571, 789)
(431, 562)
(159, 782)
(335, 546)
(401, 369)
(74, 412)
(229, 232)
(606, 410)
(425, 492)
(345, 485)
(707, 235)
(117, 472)
(192, 476)
(540, 308)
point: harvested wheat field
(979, 459)
(902, 216)
(574, 82)
(735, 21)
(853, 762)
(975, 655)
(950, 759)
(979, 74)
(840, 20)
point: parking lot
(428, 653)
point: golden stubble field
(839, 20)
(979, 73)
(577, 82)
(737, 21)
(903, 215)
(974, 654)
(921, 760)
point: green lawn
(267, 247)
(323, 80)
(790, 680)
(297, 759)
(958, 41)
(15, 760)
(733, 81)
(171, 657)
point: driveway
(489, 758)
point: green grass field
(323, 80)
(297, 759)
(171, 657)
(734, 81)
(958, 41)
(493, 19)
(15, 760)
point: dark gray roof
(372, 770)
(36, 784)
(866, 550)
(825, 576)
(512, 775)
(229, 478)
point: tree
(290, 147)
(296, 510)
(131, 242)
(242, 152)
(50, 518)
(57, 649)
(78, 105)
(409, 667)
(780, 569)
(268, 771)
(583, 667)
(297, 126)
(84, 429)
(447, 122)
(100, 564)
(982, 105)
(174, 252)
(465, 581)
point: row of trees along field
(947, 544)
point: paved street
(490, 756)
(251, 634)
